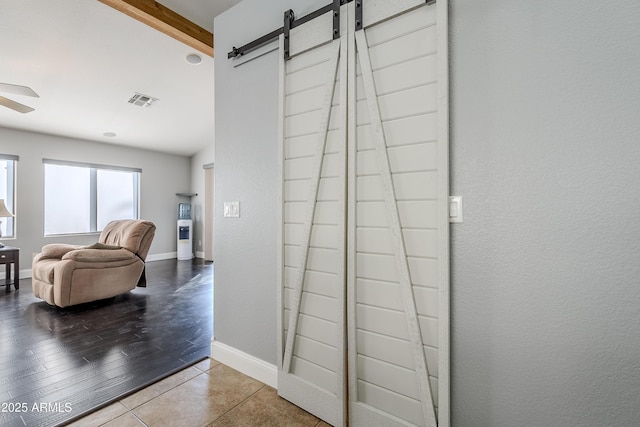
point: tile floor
(206, 394)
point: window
(7, 191)
(83, 198)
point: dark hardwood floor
(58, 364)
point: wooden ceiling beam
(167, 21)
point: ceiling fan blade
(21, 108)
(18, 90)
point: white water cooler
(185, 232)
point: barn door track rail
(290, 23)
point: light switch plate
(232, 209)
(455, 209)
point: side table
(10, 255)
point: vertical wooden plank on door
(352, 133)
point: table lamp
(4, 213)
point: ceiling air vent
(142, 100)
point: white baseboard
(160, 257)
(245, 363)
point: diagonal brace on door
(400, 255)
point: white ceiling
(86, 60)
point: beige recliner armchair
(65, 275)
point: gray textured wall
(247, 171)
(162, 176)
(546, 153)
(545, 150)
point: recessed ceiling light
(109, 134)
(193, 59)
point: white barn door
(364, 250)
(313, 259)
(398, 217)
